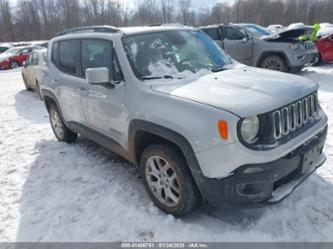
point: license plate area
(309, 156)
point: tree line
(41, 19)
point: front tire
(62, 133)
(274, 62)
(168, 181)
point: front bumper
(305, 59)
(257, 184)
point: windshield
(176, 53)
(256, 29)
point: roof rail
(100, 29)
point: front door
(237, 44)
(104, 104)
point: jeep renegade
(199, 127)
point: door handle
(82, 91)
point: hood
(289, 33)
(243, 91)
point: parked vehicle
(254, 45)
(325, 48)
(33, 69)
(14, 57)
(200, 127)
(4, 47)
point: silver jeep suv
(254, 45)
(200, 127)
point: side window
(99, 53)
(213, 33)
(232, 34)
(55, 53)
(68, 56)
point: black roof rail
(100, 29)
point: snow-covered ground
(51, 191)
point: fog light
(251, 190)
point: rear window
(68, 56)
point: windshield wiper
(219, 68)
(153, 77)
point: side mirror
(245, 39)
(98, 75)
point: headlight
(249, 129)
(295, 46)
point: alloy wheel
(56, 123)
(163, 181)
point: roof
(123, 30)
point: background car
(325, 48)
(254, 45)
(14, 57)
(33, 70)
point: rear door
(67, 77)
(237, 44)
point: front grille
(309, 46)
(294, 116)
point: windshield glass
(176, 53)
(256, 30)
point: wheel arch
(265, 54)
(142, 133)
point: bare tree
(185, 10)
(167, 9)
(6, 26)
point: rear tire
(62, 133)
(168, 180)
(274, 62)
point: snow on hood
(242, 90)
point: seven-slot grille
(309, 46)
(295, 115)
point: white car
(33, 70)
